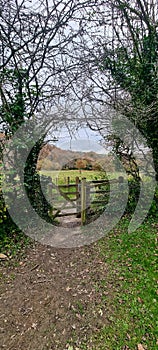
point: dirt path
(70, 220)
(50, 299)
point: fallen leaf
(140, 347)
(140, 300)
(34, 325)
(101, 312)
(68, 288)
(3, 256)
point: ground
(49, 299)
(99, 297)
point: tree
(134, 67)
(35, 42)
(81, 164)
(34, 47)
(120, 67)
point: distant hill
(55, 158)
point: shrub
(3, 210)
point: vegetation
(62, 176)
(55, 158)
(130, 63)
(13, 242)
(131, 312)
(133, 67)
(43, 65)
(132, 259)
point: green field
(61, 176)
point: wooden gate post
(78, 198)
(87, 197)
(68, 183)
(50, 187)
(83, 201)
(50, 191)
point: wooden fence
(78, 196)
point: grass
(62, 175)
(133, 261)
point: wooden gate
(75, 198)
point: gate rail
(78, 194)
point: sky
(84, 140)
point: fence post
(87, 196)
(78, 199)
(50, 191)
(83, 201)
(50, 187)
(68, 183)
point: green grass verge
(133, 273)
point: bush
(3, 210)
(154, 207)
(134, 191)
